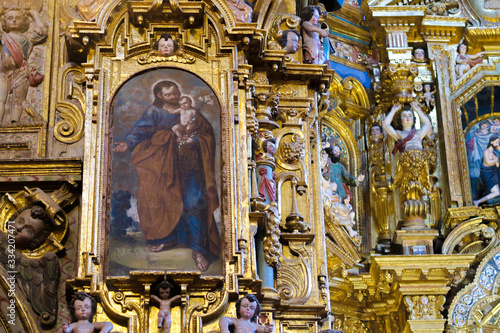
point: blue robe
(177, 191)
(338, 174)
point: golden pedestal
(416, 241)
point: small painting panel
(483, 152)
(165, 181)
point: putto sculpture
(464, 61)
(82, 309)
(247, 312)
(312, 34)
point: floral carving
(424, 307)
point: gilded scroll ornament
(353, 325)
(472, 237)
(70, 128)
(154, 57)
(294, 280)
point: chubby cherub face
(166, 47)
(419, 54)
(292, 44)
(247, 309)
(27, 229)
(83, 309)
(164, 293)
(315, 18)
(462, 49)
(185, 103)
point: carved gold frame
(105, 73)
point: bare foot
(161, 247)
(200, 261)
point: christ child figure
(164, 302)
(347, 203)
(247, 311)
(188, 123)
(311, 34)
(429, 95)
(82, 309)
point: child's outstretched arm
(224, 323)
(104, 326)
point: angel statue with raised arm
(21, 30)
(412, 171)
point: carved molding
(71, 107)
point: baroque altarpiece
(338, 160)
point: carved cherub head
(419, 55)
(246, 303)
(376, 132)
(82, 307)
(31, 227)
(289, 41)
(166, 45)
(269, 146)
